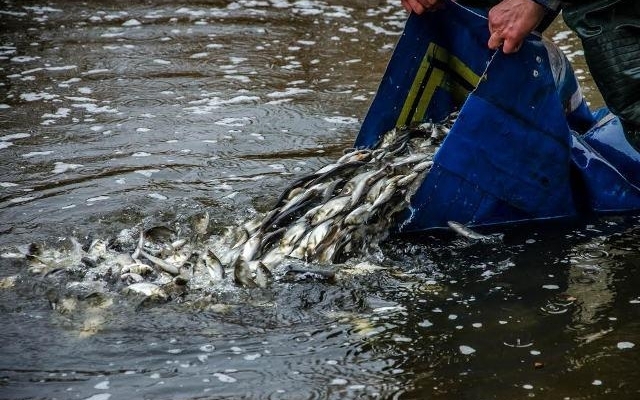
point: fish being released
(342, 210)
(344, 207)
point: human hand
(420, 6)
(511, 21)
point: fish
(292, 235)
(299, 275)
(330, 209)
(148, 290)
(470, 234)
(165, 266)
(263, 275)
(251, 247)
(316, 236)
(242, 274)
(200, 223)
(213, 265)
(359, 215)
(136, 268)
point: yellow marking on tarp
(415, 87)
(437, 79)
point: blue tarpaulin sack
(524, 146)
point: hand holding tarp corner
(511, 21)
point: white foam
(341, 120)
(102, 385)
(425, 324)
(199, 55)
(288, 92)
(37, 153)
(4, 106)
(466, 350)
(31, 71)
(4, 145)
(224, 377)
(132, 22)
(348, 29)
(241, 78)
(381, 31)
(111, 34)
(61, 68)
(32, 96)
(80, 99)
(8, 184)
(101, 396)
(15, 136)
(94, 71)
(22, 199)
(96, 199)
(94, 109)
(61, 167)
(146, 172)
(216, 102)
(61, 113)
(193, 13)
(230, 121)
(160, 61)
(23, 59)
(13, 13)
(41, 10)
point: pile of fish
(340, 211)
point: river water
(114, 113)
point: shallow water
(115, 114)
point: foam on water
(61, 167)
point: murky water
(112, 114)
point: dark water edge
(113, 123)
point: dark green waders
(610, 34)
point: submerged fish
(470, 234)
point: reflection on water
(114, 114)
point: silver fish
(365, 181)
(292, 236)
(136, 268)
(273, 257)
(242, 274)
(213, 265)
(316, 237)
(251, 247)
(200, 223)
(359, 215)
(131, 277)
(330, 209)
(468, 233)
(423, 166)
(148, 290)
(162, 264)
(263, 275)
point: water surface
(112, 114)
